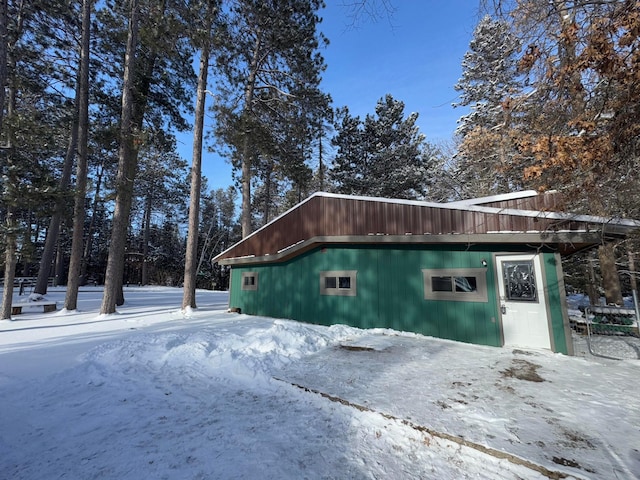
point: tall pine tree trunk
(144, 280)
(246, 145)
(610, 278)
(137, 80)
(75, 262)
(9, 264)
(246, 190)
(11, 181)
(94, 209)
(3, 56)
(320, 163)
(267, 192)
(53, 231)
(127, 157)
(191, 256)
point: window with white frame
(338, 282)
(249, 280)
(456, 284)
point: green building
(485, 271)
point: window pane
(249, 281)
(441, 284)
(341, 283)
(455, 284)
(466, 284)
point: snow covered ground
(152, 393)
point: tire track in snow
(551, 474)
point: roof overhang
(566, 243)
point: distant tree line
(93, 94)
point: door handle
(503, 309)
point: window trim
(480, 274)
(249, 287)
(337, 291)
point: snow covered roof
(328, 215)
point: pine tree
(489, 75)
(489, 83)
(61, 28)
(190, 267)
(32, 129)
(75, 262)
(127, 159)
(267, 57)
(384, 155)
(157, 78)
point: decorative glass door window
(520, 281)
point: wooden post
(632, 271)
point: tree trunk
(54, 224)
(75, 262)
(571, 82)
(59, 265)
(205, 246)
(11, 180)
(246, 194)
(9, 265)
(94, 208)
(56, 262)
(191, 256)
(3, 56)
(144, 280)
(127, 157)
(267, 194)
(246, 146)
(27, 246)
(320, 164)
(610, 278)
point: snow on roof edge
(503, 197)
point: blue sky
(415, 56)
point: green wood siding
(556, 302)
(390, 292)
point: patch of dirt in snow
(355, 348)
(523, 370)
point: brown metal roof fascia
(565, 242)
(335, 215)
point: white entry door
(522, 301)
